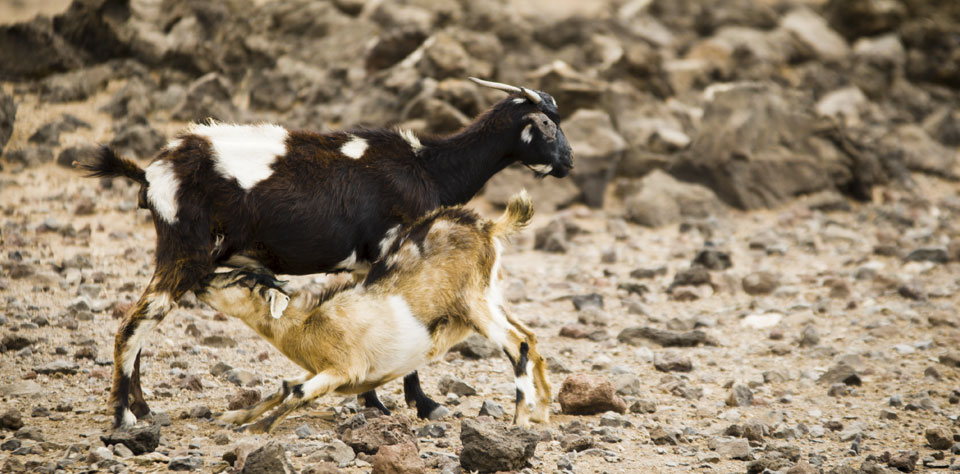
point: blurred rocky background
(753, 266)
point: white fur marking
(317, 384)
(519, 100)
(278, 302)
(135, 343)
(412, 139)
(244, 152)
(526, 135)
(543, 169)
(525, 385)
(497, 330)
(388, 239)
(354, 148)
(404, 341)
(174, 144)
(162, 189)
(348, 263)
(129, 419)
(158, 304)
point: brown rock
(382, 431)
(760, 283)
(398, 459)
(672, 362)
(939, 438)
(951, 359)
(585, 394)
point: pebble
(335, 451)
(241, 377)
(760, 283)
(11, 420)
(672, 362)
(495, 446)
(304, 431)
(491, 408)
(740, 396)
(939, 438)
(451, 384)
(586, 394)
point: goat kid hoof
(438, 413)
(140, 410)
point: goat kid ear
(278, 302)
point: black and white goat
(299, 202)
(437, 284)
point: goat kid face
(543, 147)
(244, 293)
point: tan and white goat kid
(437, 284)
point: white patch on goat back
(162, 189)
(348, 263)
(412, 139)
(526, 135)
(355, 147)
(244, 152)
(388, 239)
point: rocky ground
(752, 269)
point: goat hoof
(438, 413)
(140, 409)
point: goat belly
(397, 344)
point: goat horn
(533, 96)
(497, 85)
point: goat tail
(517, 216)
(106, 164)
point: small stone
(433, 430)
(371, 435)
(581, 302)
(476, 347)
(713, 259)
(643, 406)
(398, 459)
(585, 394)
(10, 420)
(636, 336)
(838, 390)
(201, 411)
(939, 438)
(809, 337)
(905, 461)
(240, 377)
(734, 449)
(219, 341)
(740, 396)
(186, 463)
(577, 442)
(304, 431)
(336, 451)
(57, 367)
(951, 359)
(138, 439)
(269, 459)
(672, 362)
(451, 384)
(491, 408)
(664, 436)
(760, 283)
(841, 372)
(220, 369)
(191, 382)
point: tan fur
(349, 340)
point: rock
(734, 449)
(594, 316)
(138, 141)
(207, 97)
(599, 150)
(809, 337)
(242, 378)
(491, 409)
(198, 412)
(269, 459)
(10, 420)
(770, 461)
(577, 442)
(950, 359)
(813, 32)
(76, 153)
(663, 200)
(665, 436)
(764, 157)
(49, 53)
(449, 383)
(138, 439)
(922, 153)
(636, 335)
(185, 463)
(713, 259)
(672, 362)
(841, 373)
(191, 382)
(590, 300)
(219, 341)
(131, 101)
(935, 255)
(30, 157)
(904, 461)
(740, 396)
(393, 46)
(380, 431)
(8, 116)
(57, 367)
(495, 446)
(220, 368)
(939, 438)
(398, 459)
(243, 399)
(548, 194)
(643, 406)
(554, 237)
(476, 347)
(336, 451)
(304, 431)
(843, 104)
(585, 394)
(855, 18)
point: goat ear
(278, 302)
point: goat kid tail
(106, 164)
(517, 216)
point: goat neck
(460, 164)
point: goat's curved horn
(533, 96)
(496, 85)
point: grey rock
(939, 438)
(950, 359)
(492, 409)
(590, 300)
(577, 442)
(49, 53)
(841, 373)
(139, 141)
(8, 116)
(336, 451)
(935, 255)
(734, 449)
(672, 362)
(220, 368)
(186, 463)
(449, 383)
(855, 18)
(636, 336)
(31, 156)
(384, 430)
(495, 446)
(138, 439)
(665, 436)
(760, 283)
(269, 459)
(663, 200)
(813, 32)
(740, 396)
(10, 420)
(476, 347)
(555, 236)
(207, 97)
(433, 430)
(132, 100)
(809, 337)
(242, 378)
(713, 259)
(57, 367)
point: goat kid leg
(144, 317)
(414, 396)
(241, 416)
(138, 406)
(300, 395)
(544, 390)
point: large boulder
(664, 200)
(32, 50)
(495, 446)
(755, 147)
(597, 149)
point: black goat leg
(370, 400)
(413, 394)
